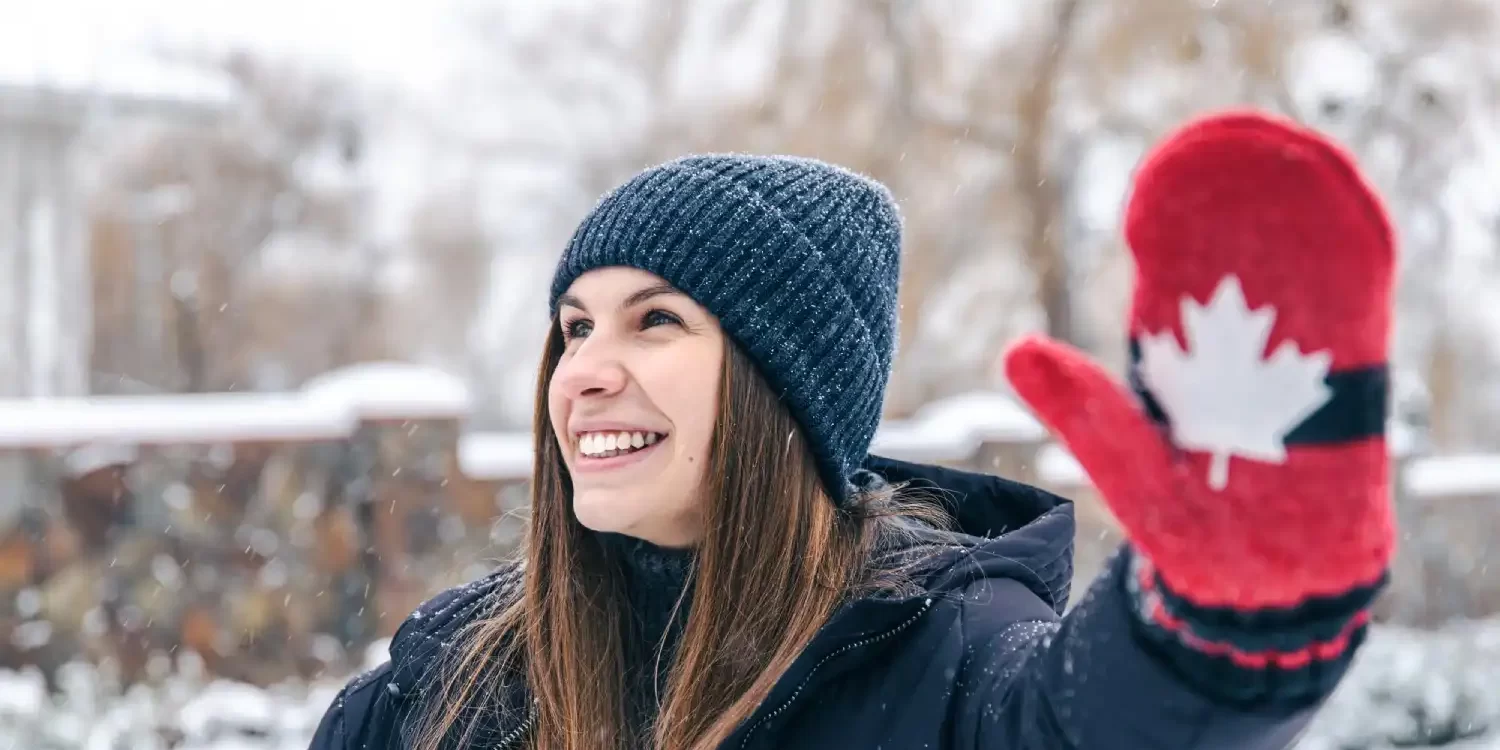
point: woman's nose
(593, 370)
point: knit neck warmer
(655, 577)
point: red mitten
(1249, 466)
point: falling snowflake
(1221, 395)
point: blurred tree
(230, 255)
(1009, 134)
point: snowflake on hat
(1246, 459)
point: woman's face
(633, 403)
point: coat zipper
(926, 605)
(520, 731)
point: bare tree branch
(1043, 250)
(996, 138)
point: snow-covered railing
(330, 407)
(37, 82)
(161, 420)
(954, 430)
(1454, 476)
(1470, 475)
(391, 390)
(495, 456)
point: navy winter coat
(985, 660)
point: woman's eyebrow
(569, 300)
(655, 290)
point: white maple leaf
(1222, 396)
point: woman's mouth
(598, 448)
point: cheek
(705, 405)
(685, 387)
(698, 396)
(557, 412)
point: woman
(715, 561)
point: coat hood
(1004, 529)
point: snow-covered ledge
(160, 420)
(392, 390)
(331, 406)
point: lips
(610, 443)
(611, 450)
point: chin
(603, 511)
(636, 515)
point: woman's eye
(659, 317)
(577, 329)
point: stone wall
(268, 560)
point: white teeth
(604, 444)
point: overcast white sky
(404, 41)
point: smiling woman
(714, 560)
(633, 401)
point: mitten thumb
(1123, 451)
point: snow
(22, 693)
(1101, 199)
(393, 390)
(738, 66)
(125, 77)
(1450, 476)
(43, 47)
(1402, 438)
(495, 455)
(226, 706)
(1056, 467)
(94, 456)
(954, 428)
(182, 712)
(184, 418)
(201, 712)
(1333, 69)
(302, 256)
(922, 441)
(397, 43)
(1426, 477)
(104, 431)
(1407, 689)
(1413, 688)
(987, 415)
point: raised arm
(1248, 467)
(1111, 675)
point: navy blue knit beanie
(798, 259)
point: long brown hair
(771, 535)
